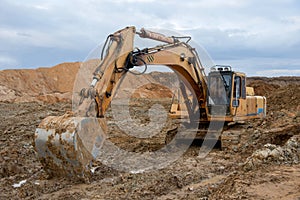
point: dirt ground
(220, 175)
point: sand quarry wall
(56, 84)
(42, 84)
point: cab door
(238, 103)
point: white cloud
(41, 7)
(217, 4)
(279, 72)
(34, 38)
(132, 1)
(264, 66)
(7, 62)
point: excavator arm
(177, 55)
(67, 144)
(107, 74)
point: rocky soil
(266, 165)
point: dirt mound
(152, 90)
(42, 84)
(147, 86)
(55, 84)
(281, 92)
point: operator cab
(225, 88)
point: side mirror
(235, 103)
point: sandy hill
(56, 84)
(42, 84)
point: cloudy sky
(261, 38)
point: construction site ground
(266, 165)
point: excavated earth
(266, 164)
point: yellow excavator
(67, 144)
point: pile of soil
(56, 84)
(51, 85)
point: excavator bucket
(66, 145)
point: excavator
(66, 145)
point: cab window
(243, 89)
(219, 89)
(237, 87)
